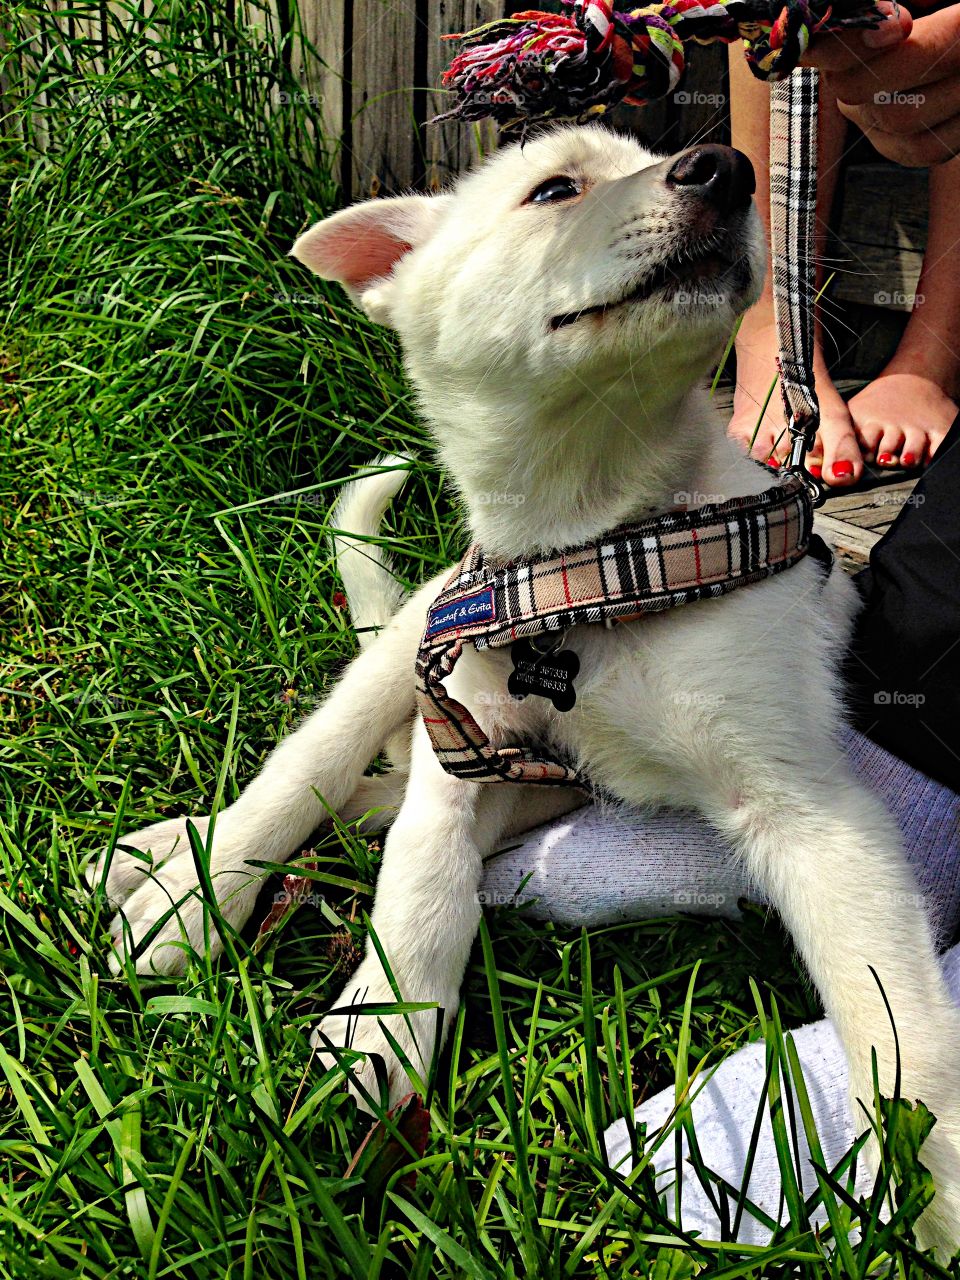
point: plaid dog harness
(657, 564)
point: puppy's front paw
(359, 1021)
(139, 855)
(153, 881)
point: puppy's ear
(361, 246)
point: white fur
(731, 706)
(371, 588)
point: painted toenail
(908, 460)
(842, 468)
(772, 462)
(885, 459)
(816, 470)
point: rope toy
(540, 65)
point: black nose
(718, 174)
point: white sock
(602, 865)
(724, 1112)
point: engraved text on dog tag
(545, 674)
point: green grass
(179, 404)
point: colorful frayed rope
(538, 65)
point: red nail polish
(772, 462)
(908, 460)
(842, 468)
(885, 459)
(816, 470)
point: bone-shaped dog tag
(547, 674)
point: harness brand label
(462, 613)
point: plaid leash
(793, 209)
(657, 564)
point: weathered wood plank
(877, 516)
(319, 63)
(93, 35)
(846, 537)
(449, 149)
(889, 488)
(860, 339)
(652, 125)
(380, 141)
(702, 100)
(881, 235)
(31, 63)
(19, 81)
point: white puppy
(558, 309)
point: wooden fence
(375, 67)
(379, 69)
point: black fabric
(904, 664)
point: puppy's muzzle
(719, 176)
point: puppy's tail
(373, 591)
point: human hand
(900, 83)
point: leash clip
(801, 438)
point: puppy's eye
(554, 190)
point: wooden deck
(854, 520)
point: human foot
(836, 454)
(901, 417)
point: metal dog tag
(546, 673)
